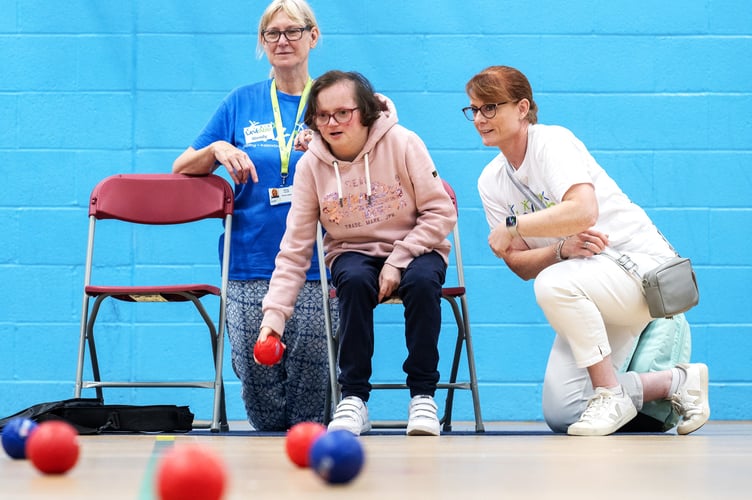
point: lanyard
(286, 149)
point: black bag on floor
(92, 416)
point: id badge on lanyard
(279, 195)
(283, 193)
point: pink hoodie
(389, 202)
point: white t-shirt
(555, 161)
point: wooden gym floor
(511, 460)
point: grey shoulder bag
(670, 288)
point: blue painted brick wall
(659, 91)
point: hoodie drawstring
(335, 164)
(339, 182)
(368, 181)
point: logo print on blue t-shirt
(258, 132)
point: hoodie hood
(320, 149)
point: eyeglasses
(340, 116)
(487, 110)
(292, 34)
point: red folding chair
(158, 199)
(456, 297)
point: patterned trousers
(294, 390)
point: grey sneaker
(605, 414)
(423, 419)
(351, 415)
(691, 399)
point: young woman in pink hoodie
(374, 188)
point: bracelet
(559, 257)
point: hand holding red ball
(268, 351)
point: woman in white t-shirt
(552, 223)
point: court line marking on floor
(148, 490)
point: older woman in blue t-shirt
(252, 134)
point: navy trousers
(356, 278)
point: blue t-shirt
(245, 119)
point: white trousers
(596, 309)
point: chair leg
(81, 348)
(328, 402)
(479, 427)
(333, 391)
(463, 338)
(449, 405)
(92, 344)
(452, 380)
(219, 413)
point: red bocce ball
(53, 447)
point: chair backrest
(161, 198)
(456, 247)
(450, 192)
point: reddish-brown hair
(502, 83)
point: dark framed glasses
(487, 110)
(340, 116)
(292, 34)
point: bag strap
(625, 263)
(534, 200)
(668, 242)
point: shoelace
(595, 405)
(685, 408)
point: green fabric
(662, 345)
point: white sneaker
(605, 414)
(423, 419)
(691, 399)
(351, 415)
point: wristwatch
(512, 225)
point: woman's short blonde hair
(297, 10)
